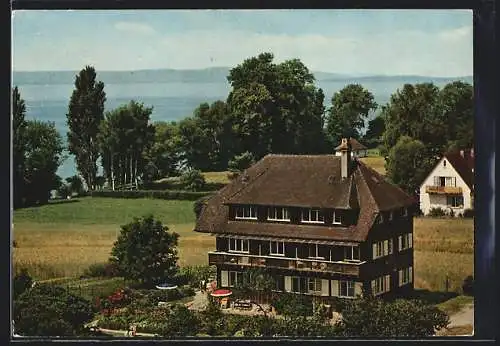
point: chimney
(345, 158)
(462, 153)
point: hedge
(158, 194)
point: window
(455, 201)
(404, 212)
(278, 214)
(351, 253)
(381, 285)
(280, 283)
(445, 181)
(391, 216)
(238, 245)
(381, 218)
(246, 212)
(346, 288)
(314, 285)
(444, 163)
(277, 248)
(337, 218)
(312, 216)
(382, 248)
(405, 276)
(314, 251)
(235, 278)
(405, 241)
(298, 284)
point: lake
(170, 101)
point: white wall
(428, 201)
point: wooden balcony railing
(218, 258)
(449, 190)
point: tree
(373, 136)
(414, 111)
(372, 317)
(75, 184)
(456, 102)
(241, 162)
(275, 107)
(42, 159)
(207, 139)
(165, 151)
(256, 282)
(124, 139)
(407, 164)
(193, 180)
(85, 113)
(50, 310)
(146, 251)
(18, 146)
(346, 116)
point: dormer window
(246, 213)
(337, 218)
(278, 214)
(312, 216)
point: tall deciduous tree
(43, 157)
(349, 110)
(374, 133)
(408, 163)
(276, 107)
(19, 145)
(146, 251)
(85, 113)
(165, 152)
(124, 139)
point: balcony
(319, 266)
(443, 190)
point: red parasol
(221, 293)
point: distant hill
(208, 75)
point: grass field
(375, 162)
(62, 240)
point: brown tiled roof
(303, 181)
(355, 145)
(463, 165)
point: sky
(359, 42)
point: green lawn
(63, 239)
(107, 211)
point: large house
(357, 149)
(450, 185)
(321, 225)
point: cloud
(458, 34)
(135, 28)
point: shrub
(468, 213)
(193, 275)
(436, 212)
(22, 282)
(241, 162)
(181, 322)
(155, 194)
(199, 204)
(468, 285)
(49, 310)
(146, 251)
(293, 305)
(108, 269)
(373, 317)
(193, 180)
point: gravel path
(463, 317)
